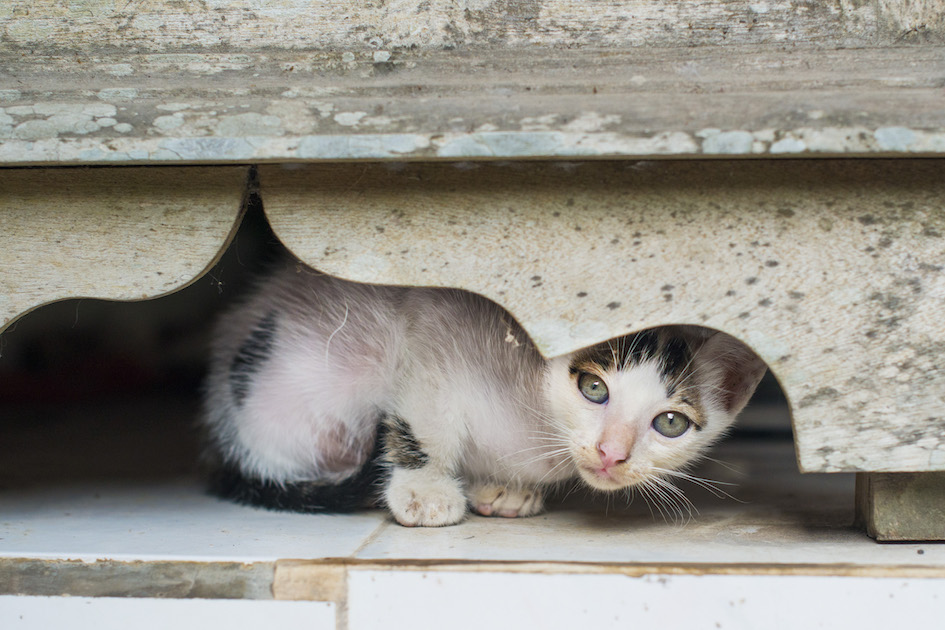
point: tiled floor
(74, 520)
(773, 516)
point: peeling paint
(895, 138)
(730, 142)
(264, 137)
(362, 146)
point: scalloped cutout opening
(95, 390)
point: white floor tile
(166, 521)
(106, 613)
(473, 600)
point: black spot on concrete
(887, 300)
(751, 280)
(764, 302)
(824, 394)
(889, 322)
(582, 293)
(795, 295)
(730, 293)
(666, 287)
(771, 263)
(384, 67)
(744, 315)
(613, 305)
(867, 219)
(785, 212)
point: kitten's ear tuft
(731, 368)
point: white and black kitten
(324, 393)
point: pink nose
(612, 454)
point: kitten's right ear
(730, 367)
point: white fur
(496, 420)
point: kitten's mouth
(600, 478)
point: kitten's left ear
(731, 368)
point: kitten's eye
(671, 424)
(593, 388)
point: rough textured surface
(249, 80)
(165, 25)
(830, 270)
(221, 580)
(123, 234)
(896, 507)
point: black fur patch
(360, 490)
(620, 353)
(253, 352)
(401, 447)
(676, 357)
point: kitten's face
(644, 406)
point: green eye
(671, 424)
(593, 388)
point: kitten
(321, 389)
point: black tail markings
(359, 491)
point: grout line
(371, 538)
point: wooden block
(307, 580)
(902, 506)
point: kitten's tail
(360, 490)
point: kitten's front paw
(495, 500)
(425, 499)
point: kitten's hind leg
(506, 501)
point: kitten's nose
(612, 454)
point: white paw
(496, 500)
(421, 498)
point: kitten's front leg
(421, 490)
(510, 502)
(425, 498)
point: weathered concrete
(123, 234)
(830, 270)
(164, 81)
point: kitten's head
(648, 404)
